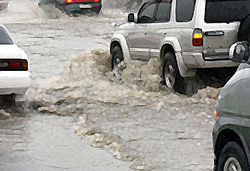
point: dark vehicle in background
(75, 6)
(231, 134)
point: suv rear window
(4, 37)
(226, 11)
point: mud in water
(88, 89)
(89, 77)
(88, 86)
(130, 115)
(122, 4)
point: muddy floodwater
(75, 103)
(48, 143)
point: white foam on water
(27, 11)
(88, 77)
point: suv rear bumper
(77, 6)
(196, 60)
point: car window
(226, 11)
(146, 14)
(163, 12)
(4, 37)
(185, 10)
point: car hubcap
(116, 61)
(232, 164)
(170, 76)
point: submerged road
(48, 142)
(169, 133)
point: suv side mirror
(131, 18)
(239, 52)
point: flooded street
(48, 143)
(132, 118)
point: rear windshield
(226, 11)
(4, 37)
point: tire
(117, 56)
(6, 101)
(12, 104)
(96, 10)
(19, 104)
(46, 2)
(60, 7)
(63, 9)
(20, 108)
(232, 155)
(171, 74)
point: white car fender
(23, 54)
(125, 50)
(184, 71)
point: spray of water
(122, 4)
(89, 79)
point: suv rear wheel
(171, 74)
(232, 157)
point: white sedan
(14, 74)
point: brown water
(44, 142)
(48, 142)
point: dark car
(72, 6)
(231, 134)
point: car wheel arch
(229, 135)
(113, 44)
(119, 39)
(165, 49)
(173, 45)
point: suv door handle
(214, 33)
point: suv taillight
(13, 65)
(197, 37)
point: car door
(245, 103)
(245, 91)
(138, 38)
(158, 30)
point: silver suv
(183, 34)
